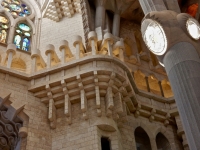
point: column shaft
(10, 55)
(182, 64)
(116, 25)
(34, 64)
(77, 51)
(49, 60)
(63, 56)
(93, 47)
(110, 53)
(100, 17)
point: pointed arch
(22, 38)
(142, 139)
(18, 64)
(166, 134)
(162, 142)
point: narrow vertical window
(4, 25)
(105, 143)
(22, 37)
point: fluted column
(182, 65)
(152, 5)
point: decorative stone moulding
(57, 9)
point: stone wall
(38, 127)
(54, 32)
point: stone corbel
(152, 116)
(137, 112)
(51, 55)
(109, 99)
(83, 98)
(65, 50)
(98, 98)
(67, 103)
(52, 114)
(37, 60)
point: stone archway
(142, 139)
(162, 142)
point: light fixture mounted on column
(193, 28)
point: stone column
(92, 37)
(182, 65)
(77, 44)
(63, 47)
(109, 40)
(49, 52)
(11, 51)
(152, 5)
(100, 16)
(116, 24)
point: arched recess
(162, 142)
(142, 139)
(154, 85)
(18, 64)
(140, 80)
(166, 88)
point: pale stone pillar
(78, 45)
(11, 51)
(153, 143)
(49, 52)
(64, 46)
(100, 16)
(182, 65)
(119, 46)
(152, 5)
(109, 39)
(116, 24)
(92, 37)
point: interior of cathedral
(77, 75)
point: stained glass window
(4, 25)
(22, 36)
(16, 7)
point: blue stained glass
(24, 27)
(17, 41)
(25, 44)
(26, 11)
(15, 7)
(22, 14)
(23, 5)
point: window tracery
(4, 26)
(22, 36)
(16, 8)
